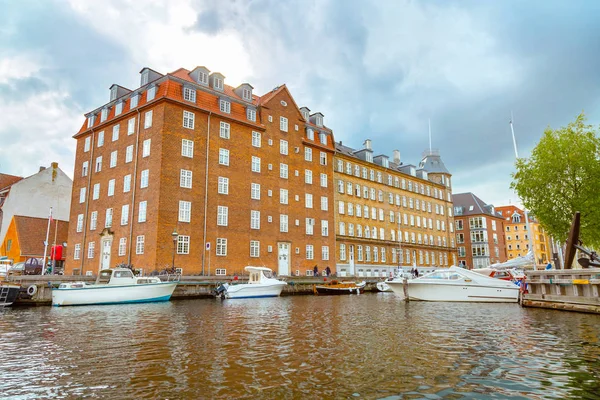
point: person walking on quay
(327, 271)
(316, 271)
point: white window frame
(188, 119)
(224, 130)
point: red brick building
(187, 168)
(479, 232)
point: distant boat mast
(527, 225)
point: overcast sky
(376, 70)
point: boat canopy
(517, 262)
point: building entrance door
(283, 265)
(105, 257)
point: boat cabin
(258, 274)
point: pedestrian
(316, 271)
(327, 271)
(416, 272)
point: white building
(33, 196)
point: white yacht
(458, 284)
(113, 286)
(260, 284)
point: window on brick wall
(225, 130)
(188, 119)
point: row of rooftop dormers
(200, 76)
(431, 162)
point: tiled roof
(510, 210)
(32, 233)
(468, 200)
(208, 100)
(8, 180)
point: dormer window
(119, 108)
(113, 93)
(251, 114)
(305, 114)
(319, 120)
(151, 93)
(189, 94)
(225, 106)
(134, 101)
(218, 83)
(104, 114)
(247, 94)
(144, 78)
(91, 120)
(369, 156)
(385, 162)
(323, 138)
(310, 134)
(203, 78)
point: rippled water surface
(368, 346)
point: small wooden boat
(335, 287)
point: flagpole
(46, 242)
(527, 225)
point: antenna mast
(429, 120)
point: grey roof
(466, 200)
(432, 163)
(350, 152)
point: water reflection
(368, 346)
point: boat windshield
(267, 274)
(449, 275)
(123, 274)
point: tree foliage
(562, 176)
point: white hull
(113, 294)
(383, 287)
(397, 287)
(461, 293)
(246, 290)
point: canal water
(371, 346)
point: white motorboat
(383, 286)
(459, 284)
(113, 286)
(260, 284)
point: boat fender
(32, 290)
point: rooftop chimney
(42, 168)
(367, 144)
(397, 156)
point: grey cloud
(208, 22)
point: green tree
(563, 176)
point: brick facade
(284, 249)
(517, 237)
(479, 232)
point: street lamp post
(174, 235)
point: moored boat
(461, 285)
(261, 283)
(8, 293)
(334, 287)
(113, 286)
(383, 286)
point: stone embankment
(189, 287)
